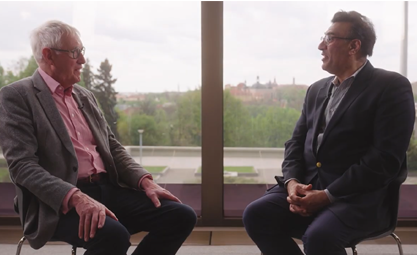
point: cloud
(18, 19)
(156, 46)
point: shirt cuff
(65, 203)
(287, 181)
(330, 196)
(149, 176)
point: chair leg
(74, 250)
(354, 251)
(397, 239)
(19, 245)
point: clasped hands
(304, 200)
(93, 213)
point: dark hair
(361, 28)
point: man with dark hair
(74, 181)
(348, 145)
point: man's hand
(92, 214)
(156, 192)
(304, 200)
(313, 200)
(296, 191)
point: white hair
(48, 35)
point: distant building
(257, 91)
(129, 97)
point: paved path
(182, 168)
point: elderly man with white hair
(75, 182)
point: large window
(271, 56)
(207, 93)
(153, 53)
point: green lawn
(154, 169)
(4, 174)
(239, 169)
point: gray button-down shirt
(339, 91)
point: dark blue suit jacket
(363, 148)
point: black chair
(22, 240)
(393, 199)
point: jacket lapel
(48, 104)
(85, 107)
(357, 87)
(321, 102)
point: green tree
(28, 67)
(148, 106)
(274, 126)
(2, 78)
(412, 154)
(24, 67)
(152, 134)
(187, 128)
(236, 122)
(87, 76)
(106, 95)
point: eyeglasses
(327, 39)
(75, 53)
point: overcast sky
(156, 46)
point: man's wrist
(74, 199)
(147, 182)
(290, 182)
(330, 196)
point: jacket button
(318, 164)
(74, 169)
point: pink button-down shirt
(89, 160)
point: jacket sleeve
(293, 166)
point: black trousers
(168, 226)
(271, 225)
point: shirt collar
(53, 85)
(336, 81)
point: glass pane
(271, 57)
(154, 53)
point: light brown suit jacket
(40, 155)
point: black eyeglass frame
(75, 53)
(327, 39)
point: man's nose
(322, 45)
(81, 59)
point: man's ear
(354, 47)
(47, 56)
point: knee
(189, 217)
(184, 216)
(114, 236)
(252, 216)
(248, 214)
(322, 241)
